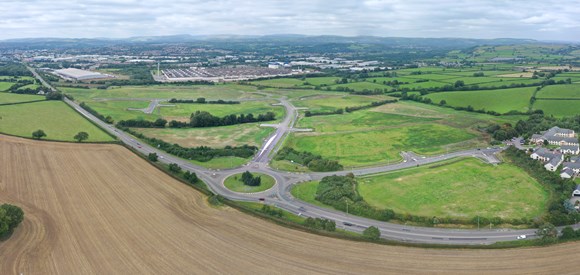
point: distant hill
(290, 39)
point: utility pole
(477, 222)
(346, 201)
(158, 73)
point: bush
(38, 134)
(249, 179)
(174, 168)
(372, 233)
(10, 217)
(152, 157)
(320, 224)
(312, 161)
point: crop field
(217, 137)
(465, 189)
(501, 101)
(98, 209)
(4, 86)
(14, 98)
(58, 121)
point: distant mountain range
(292, 39)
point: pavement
(280, 196)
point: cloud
(546, 19)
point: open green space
(235, 183)
(501, 101)
(222, 162)
(324, 103)
(560, 91)
(460, 188)
(5, 86)
(215, 137)
(465, 188)
(118, 109)
(362, 85)
(360, 148)
(210, 92)
(59, 121)
(246, 107)
(15, 98)
(281, 82)
(558, 108)
(377, 136)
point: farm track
(99, 209)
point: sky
(542, 20)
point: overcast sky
(544, 20)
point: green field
(330, 103)
(560, 91)
(465, 188)
(501, 101)
(216, 137)
(235, 184)
(558, 108)
(210, 92)
(378, 135)
(254, 107)
(222, 162)
(458, 188)
(361, 148)
(5, 86)
(14, 98)
(281, 82)
(59, 121)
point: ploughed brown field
(99, 209)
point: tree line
(340, 111)
(202, 100)
(310, 160)
(107, 119)
(199, 119)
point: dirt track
(99, 209)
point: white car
(520, 237)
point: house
(567, 173)
(560, 132)
(556, 136)
(554, 162)
(543, 154)
(574, 166)
(570, 149)
(575, 159)
(576, 191)
(561, 141)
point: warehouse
(77, 74)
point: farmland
(4, 86)
(464, 189)
(501, 101)
(59, 121)
(125, 216)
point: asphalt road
(280, 196)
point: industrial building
(79, 75)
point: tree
(174, 168)
(547, 232)
(372, 233)
(546, 143)
(152, 157)
(443, 102)
(38, 134)
(81, 136)
(10, 217)
(568, 233)
(459, 84)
